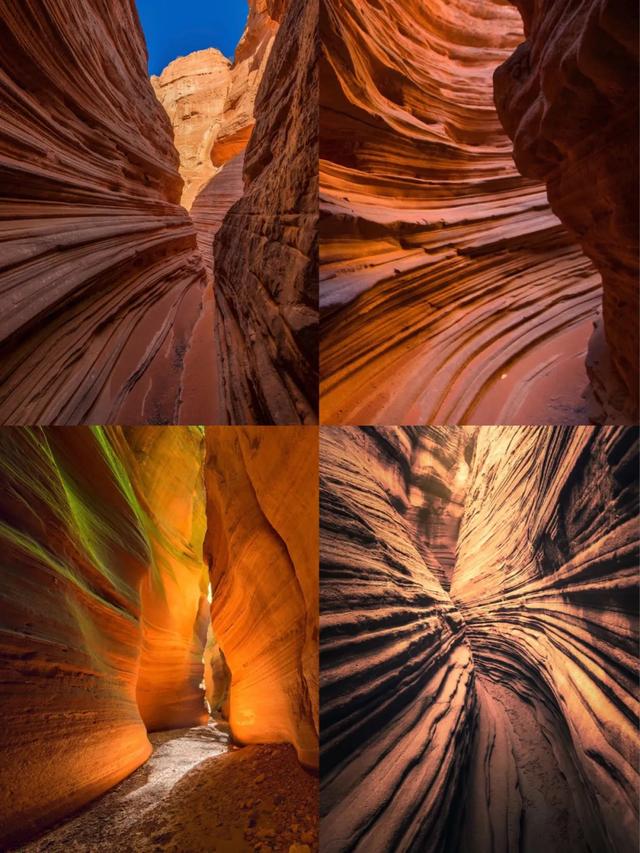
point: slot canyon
(159, 639)
(478, 639)
(117, 190)
(467, 278)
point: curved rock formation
(501, 715)
(450, 292)
(101, 279)
(262, 536)
(104, 607)
(265, 252)
(568, 97)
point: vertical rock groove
(489, 703)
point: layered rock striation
(493, 706)
(262, 551)
(568, 97)
(450, 293)
(396, 684)
(101, 279)
(547, 583)
(265, 252)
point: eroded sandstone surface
(105, 603)
(450, 292)
(493, 706)
(100, 276)
(568, 97)
(265, 252)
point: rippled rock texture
(568, 97)
(100, 276)
(498, 711)
(450, 293)
(265, 253)
(104, 607)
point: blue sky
(178, 27)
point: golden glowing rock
(261, 545)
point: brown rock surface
(450, 293)
(265, 252)
(501, 714)
(568, 97)
(102, 283)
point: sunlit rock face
(391, 641)
(450, 293)
(499, 713)
(261, 546)
(265, 252)
(209, 101)
(74, 554)
(193, 90)
(568, 97)
(547, 583)
(166, 469)
(101, 279)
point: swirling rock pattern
(450, 293)
(492, 706)
(100, 276)
(262, 506)
(265, 252)
(568, 97)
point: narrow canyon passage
(479, 630)
(146, 570)
(450, 292)
(115, 190)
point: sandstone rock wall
(193, 90)
(568, 97)
(73, 558)
(261, 546)
(450, 293)
(101, 278)
(265, 252)
(500, 714)
(547, 583)
(396, 671)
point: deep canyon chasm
(456, 285)
(478, 639)
(111, 204)
(130, 556)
